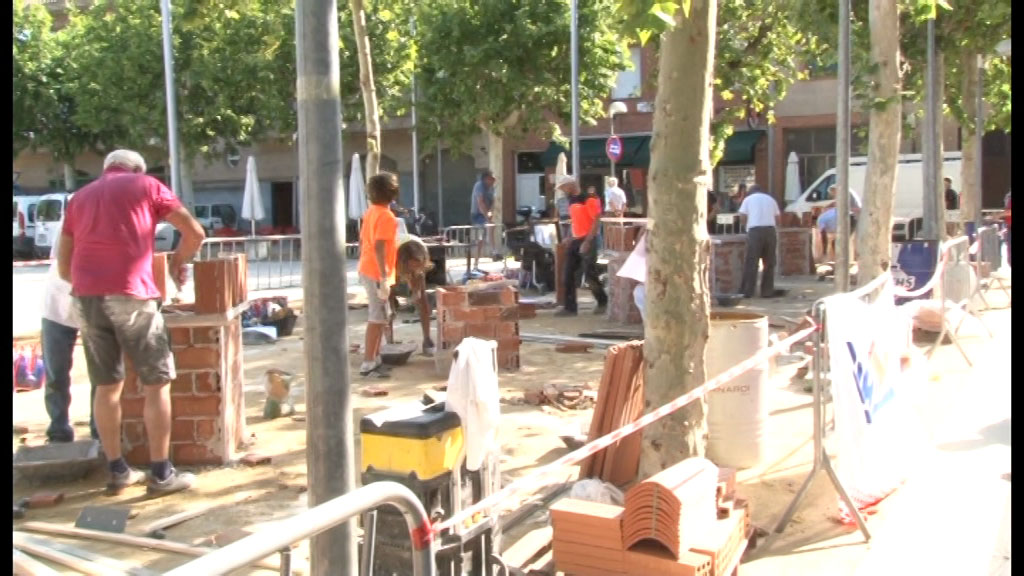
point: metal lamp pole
(574, 48)
(172, 106)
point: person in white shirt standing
(615, 198)
(761, 215)
(59, 332)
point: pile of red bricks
(207, 403)
(683, 521)
(488, 314)
(620, 401)
(796, 253)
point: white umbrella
(357, 205)
(252, 199)
(560, 166)
(792, 178)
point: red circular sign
(613, 148)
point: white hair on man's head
(613, 181)
(129, 159)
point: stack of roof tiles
(683, 521)
(620, 401)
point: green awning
(739, 148)
(635, 152)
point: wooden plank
(528, 547)
(129, 540)
(113, 563)
(73, 562)
(175, 519)
(544, 565)
(25, 565)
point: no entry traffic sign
(613, 148)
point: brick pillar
(485, 314)
(730, 251)
(621, 307)
(796, 253)
(207, 406)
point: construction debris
(562, 397)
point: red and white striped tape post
(533, 480)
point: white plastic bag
(594, 490)
(473, 395)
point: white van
(49, 214)
(24, 225)
(908, 205)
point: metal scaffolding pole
(842, 273)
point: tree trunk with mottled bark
(70, 182)
(874, 238)
(495, 149)
(969, 150)
(366, 85)
(677, 327)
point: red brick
(183, 430)
(215, 283)
(132, 407)
(205, 335)
(189, 453)
(133, 432)
(468, 315)
(181, 337)
(255, 459)
(206, 429)
(650, 558)
(184, 406)
(207, 382)
(491, 313)
(485, 298)
(182, 385)
(481, 330)
(452, 332)
(509, 313)
(508, 360)
(138, 455)
(241, 292)
(449, 299)
(45, 500)
(506, 329)
(160, 273)
(193, 358)
(509, 344)
(527, 309)
(573, 347)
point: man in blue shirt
(481, 213)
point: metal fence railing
(274, 261)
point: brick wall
(485, 314)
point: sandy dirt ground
(529, 436)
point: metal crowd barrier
(280, 537)
(274, 261)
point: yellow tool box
(422, 442)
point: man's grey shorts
(378, 309)
(114, 326)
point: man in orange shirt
(584, 214)
(378, 252)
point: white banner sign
(876, 427)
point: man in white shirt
(615, 198)
(59, 333)
(760, 213)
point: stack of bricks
(483, 313)
(590, 539)
(207, 402)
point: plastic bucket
(738, 410)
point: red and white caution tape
(28, 263)
(533, 480)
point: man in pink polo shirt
(106, 253)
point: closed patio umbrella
(252, 199)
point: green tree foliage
(484, 62)
(44, 102)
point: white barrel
(738, 410)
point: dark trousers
(761, 241)
(58, 350)
(574, 259)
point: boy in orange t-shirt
(378, 252)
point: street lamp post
(613, 109)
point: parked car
(216, 216)
(166, 238)
(49, 214)
(24, 225)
